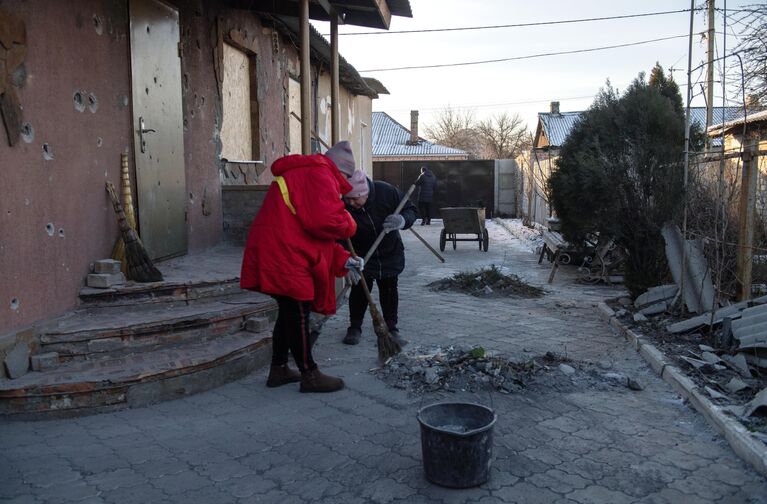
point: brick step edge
(143, 338)
(158, 292)
(747, 447)
(166, 322)
(74, 399)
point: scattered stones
(633, 384)
(420, 370)
(640, 317)
(567, 370)
(44, 361)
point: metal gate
(459, 183)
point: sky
(527, 86)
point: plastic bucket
(457, 443)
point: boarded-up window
(237, 129)
(294, 107)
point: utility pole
(745, 259)
(710, 76)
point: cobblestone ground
(246, 443)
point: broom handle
(373, 308)
(396, 211)
(379, 238)
(122, 221)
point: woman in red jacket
(292, 255)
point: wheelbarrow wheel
(485, 240)
(442, 241)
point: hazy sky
(526, 86)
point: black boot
(353, 335)
(396, 337)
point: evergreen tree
(620, 173)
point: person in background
(372, 204)
(425, 182)
(292, 254)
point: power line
(521, 25)
(529, 56)
(493, 105)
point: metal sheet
(698, 289)
(160, 178)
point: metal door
(158, 127)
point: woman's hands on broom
(355, 265)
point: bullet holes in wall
(98, 25)
(27, 132)
(78, 100)
(47, 152)
(50, 229)
(93, 103)
(15, 304)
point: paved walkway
(244, 443)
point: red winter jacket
(297, 255)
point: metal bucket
(457, 443)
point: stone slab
(17, 361)
(105, 280)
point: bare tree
(753, 44)
(504, 136)
(455, 128)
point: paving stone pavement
(245, 443)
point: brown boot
(282, 375)
(314, 381)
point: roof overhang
(370, 13)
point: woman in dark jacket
(426, 182)
(371, 204)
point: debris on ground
(472, 369)
(488, 282)
(724, 352)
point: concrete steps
(109, 331)
(134, 380)
(142, 343)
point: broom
(387, 346)
(140, 267)
(314, 333)
(118, 252)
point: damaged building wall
(55, 218)
(356, 116)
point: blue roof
(557, 127)
(390, 139)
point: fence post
(745, 259)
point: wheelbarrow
(463, 220)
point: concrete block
(105, 280)
(257, 324)
(45, 361)
(17, 361)
(106, 266)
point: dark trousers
(424, 208)
(291, 333)
(388, 297)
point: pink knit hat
(342, 155)
(359, 182)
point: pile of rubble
(724, 351)
(488, 282)
(466, 369)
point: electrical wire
(521, 25)
(529, 56)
